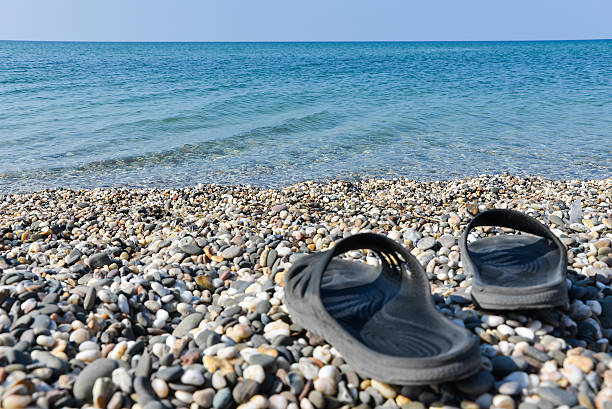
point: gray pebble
(85, 380)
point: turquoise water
(272, 114)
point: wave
(215, 148)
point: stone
(536, 354)
(448, 241)
(72, 257)
(85, 380)
(558, 396)
(144, 365)
(59, 366)
(102, 391)
(16, 401)
(170, 374)
(584, 363)
(476, 384)
(122, 379)
(16, 356)
(223, 399)
(90, 299)
(192, 377)
(509, 388)
(255, 372)
(160, 387)
(188, 245)
(326, 386)
(187, 324)
(426, 243)
(264, 360)
(503, 365)
(243, 391)
(204, 398)
(144, 390)
(296, 382)
(232, 252)
(207, 338)
(99, 260)
(503, 402)
(385, 389)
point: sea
(86, 115)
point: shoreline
(103, 289)
(323, 181)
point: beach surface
(155, 298)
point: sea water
(273, 114)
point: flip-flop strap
(511, 219)
(390, 252)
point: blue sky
(313, 20)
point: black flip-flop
(381, 319)
(512, 271)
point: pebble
(503, 402)
(182, 289)
(192, 377)
(99, 260)
(160, 387)
(243, 391)
(187, 324)
(476, 384)
(223, 399)
(204, 397)
(255, 372)
(385, 389)
(426, 243)
(558, 396)
(84, 382)
(326, 386)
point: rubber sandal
(381, 319)
(512, 272)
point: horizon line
(302, 41)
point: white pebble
(308, 368)
(492, 320)
(277, 402)
(45, 341)
(162, 315)
(255, 372)
(322, 354)
(505, 330)
(122, 303)
(326, 386)
(89, 355)
(503, 402)
(329, 371)
(192, 377)
(218, 380)
(525, 333)
(227, 352)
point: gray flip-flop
(512, 272)
(381, 319)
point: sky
(312, 20)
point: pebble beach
(173, 298)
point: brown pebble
(584, 363)
(116, 401)
(106, 350)
(306, 390)
(16, 401)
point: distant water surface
(273, 114)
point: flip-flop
(381, 319)
(512, 271)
